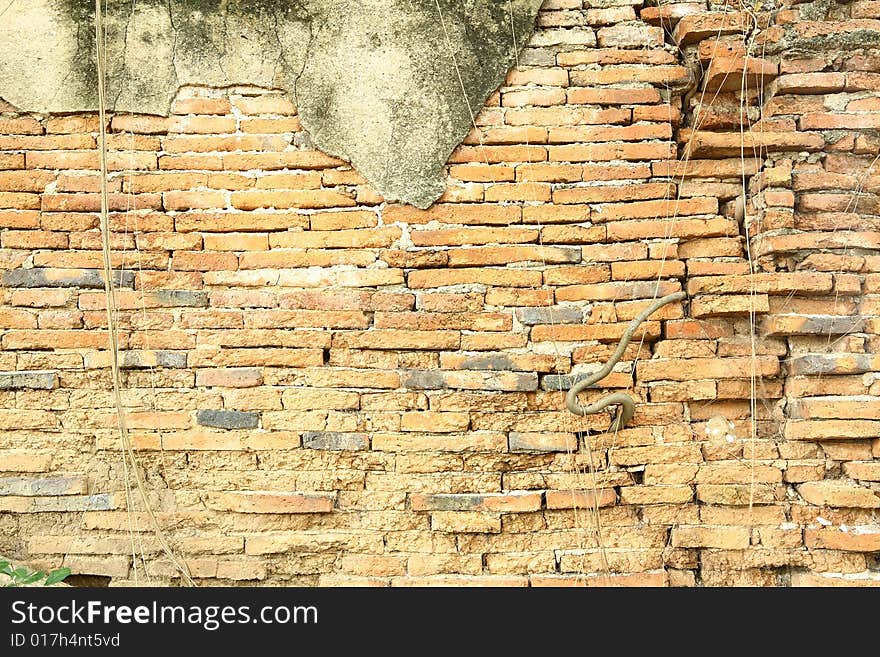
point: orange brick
(33, 239)
(193, 200)
(482, 172)
(202, 124)
(289, 181)
(434, 422)
(142, 124)
(269, 502)
(268, 104)
(518, 192)
(605, 152)
(449, 213)
(566, 116)
(342, 220)
(285, 160)
(271, 126)
(11, 161)
(19, 201)
(638, 132)
(253, 200)
(229, 181)
(200, 144)
(25, 181)
(201, 261)
(486, 276)
(20, 126)
(541, 97)
(72, 123)
(497, 154)
(201, 106)
(600, 96)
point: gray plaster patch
(389, 85)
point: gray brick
(181, 298)
(144, 359)
(98, 502)
(175, 359)
(469, 380)
(423, 380)
(33, 380)
(454, 501)
(579, 36)
(488, 362)
(553, 315)
(86, 278)
(228, 419)
(336, 441)
(32, 487)
(523, 381)
(562, 381)
(817, 325)
(538, 57)
(810, 364)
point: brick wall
(324, 388)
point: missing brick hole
(89, 581)
(783, 577)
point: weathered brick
(439, 380)
(727, 538)
(230, 377)
(542, 442)
(42, 486)
(580, 499)
(335, 441)
(270, 502)
(838, 494)
(48, 277)
(35, 380)
(512, 502)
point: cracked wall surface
(389, 85)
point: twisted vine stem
(621, 399)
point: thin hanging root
(626, 403)
(110, 294)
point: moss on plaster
(377, 82)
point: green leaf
(20, 573)
(32, 577)
(56, 576)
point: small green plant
(22, 576)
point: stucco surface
(390, 85)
